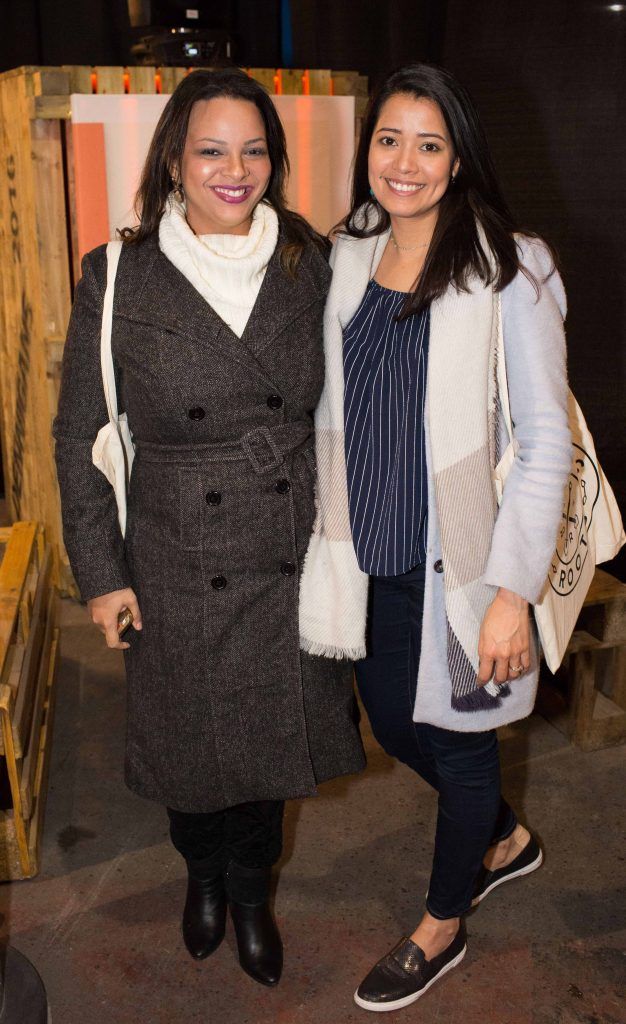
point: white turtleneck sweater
(227, 270)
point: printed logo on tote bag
(572, 548)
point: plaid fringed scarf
(462, 416)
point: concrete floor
(101, 922)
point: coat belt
(264, 447)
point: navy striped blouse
(385, 388)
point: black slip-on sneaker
(404, 974)
(527, 861)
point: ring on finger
(516, 668)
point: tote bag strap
(106, 355)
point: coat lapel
(356, 260)
(280, 302)
(150, 290)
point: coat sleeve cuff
(97, 586)
(515, 578)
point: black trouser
(250, 834)
(463, 767)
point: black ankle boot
(204, 916)
(258, 939)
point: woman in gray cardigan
(430, 281)
(217, 346)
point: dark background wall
(63, 32)
(549, 77)
(366, 37)
(56, 32)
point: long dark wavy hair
(474, 198)
(166, 153)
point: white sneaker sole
(397, 1004)
(528, 870)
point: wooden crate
(586, 699)
(34, 299)
(38, 265)
(28, 656)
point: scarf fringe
(329, 651)
(476, 700)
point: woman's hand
(504, 642)
(105, 610)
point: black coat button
(288, 568)
(275, 402)
(213, 498)
(218, 582)
(197, 413)
(438, 566)
(282, 486)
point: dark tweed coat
(223, 707)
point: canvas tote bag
(113, 450)
(590, 531)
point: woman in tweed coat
(217, 345)
(411, 569)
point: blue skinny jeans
(463, 767)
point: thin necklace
(408, 248)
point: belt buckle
(257, 445)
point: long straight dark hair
(474, 197)
(166, 153)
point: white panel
(320, 142)
(129, 123)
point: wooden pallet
(38, 266)
(28, 657)
(34, 299)
(49, 88)
(586, 700)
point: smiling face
(411, 157)
(225, 168)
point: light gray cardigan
(524, 536)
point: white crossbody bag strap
(113, 450)
(106, 355)
(503, 384)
